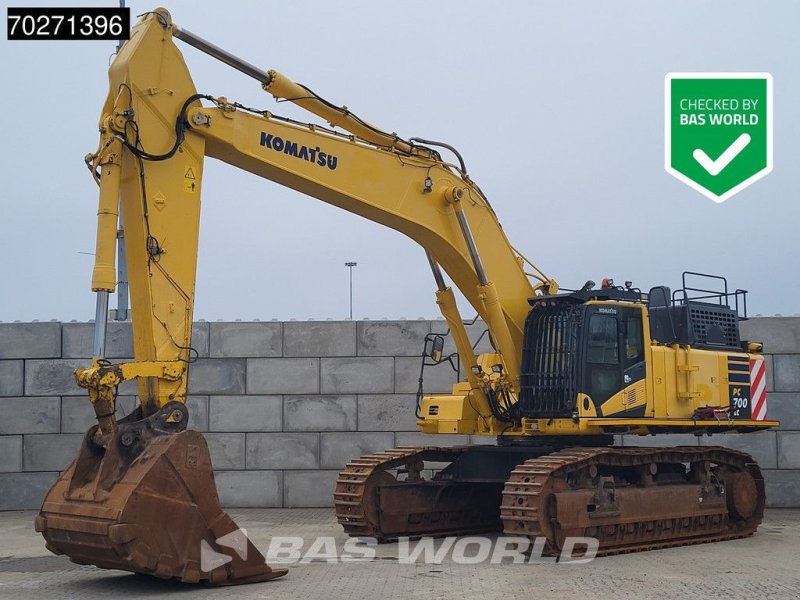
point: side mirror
(436, 348)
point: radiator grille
(550, 360)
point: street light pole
(350, 266)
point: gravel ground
(763, 566)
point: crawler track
(563, 494)
(371, 502)
(629, 499)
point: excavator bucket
(145, 501)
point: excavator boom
(141, 496)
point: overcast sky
(557, 108)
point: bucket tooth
(145, 501)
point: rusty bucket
(144, 500)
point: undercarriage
(629, 499)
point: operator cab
(590, 344)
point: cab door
(613, 352)
(602, 370)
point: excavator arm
(155, 133)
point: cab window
(603, 343)
(634, 346)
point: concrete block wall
(284, 405)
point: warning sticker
(189, 179)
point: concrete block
(308, 489)
(198, 412)
(319, 338)
(319, 413)
(249, 489)
(387, 412)
(282, 375)
(10, 453)
(53, 377)
(29, 415)
(30, 340)
(77, 340)
(785, 407)
(782, 488)
(769, 372)
(217, 376)
(788, 449)
(50, 452)
(392, 338)
(200, 336)
(245, 413)
(282, 450)
(437, 379)
(245, 339)
(11, 377)
(661, 441)
(786, 368)
(415, 438)
(24, 491)
(477, 333)
(338, 448)
(357, 375)
(778, 334)
(483, 440)
(125, 406)
(77, 412)
(227, 450)
(762, 446)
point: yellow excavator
(569, 370)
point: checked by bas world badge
(718, 130)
